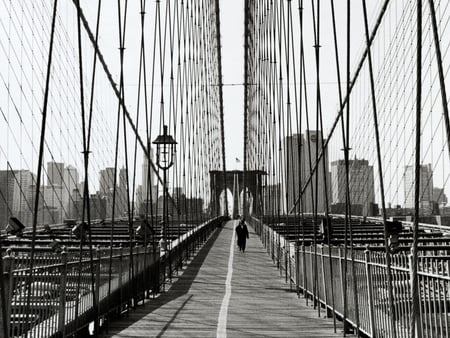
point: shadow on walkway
(177, 289)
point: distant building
(361, 184)
(97, 207)
(106, 179)
(426, 185)
(300, 159)
(138, 197)
(439, 196)
(71, 181)
(55, 173)
(16, 196)
(148, 177)
(50, 205)
(122, 191)
(24, 195)
(293, 163)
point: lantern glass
(165, 148)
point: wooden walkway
(256, 302)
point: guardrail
(318, 273)
(71, 294)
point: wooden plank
(261, 304)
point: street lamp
(165, 149)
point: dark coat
(242, 233)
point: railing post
(97, 290)
(8, 262)
(324, 280)
(304, 272)
(297, 268)
(272, 239)
(370, 292)
(418, 328)
(278, 254)
(120, 280)
(344, 292)
(286, 256)
(264, 230)
(62, 295)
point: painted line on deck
(223, 314)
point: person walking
(242, 234)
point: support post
(305, 295)
(97, 291)
(120, 280)
(8, 262)
(324, 281)
(417, 329)
(62, 295)
(344, 292)
(370, 292)
(297, 268)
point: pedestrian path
(226, 293)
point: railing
(318, 273)
(58, 300)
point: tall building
(51, 210)
(293, 150)
(439, 196)
(55, 172)
(121, 198)
(71, 181)
(16, 196)
(426, 184)
(106, 180)
(301, 153)
(23, 198)
(361, 184)
(148, 176)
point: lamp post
(165, 149)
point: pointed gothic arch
(237, 182)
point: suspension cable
(220, 83)
(380, 173)
(345, 101)
(415, 324)
(118, 95)
(40, 161)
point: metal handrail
(53, 290)
(371, 279)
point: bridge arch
(237, 182)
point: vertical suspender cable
(220, 84)
(40, 160)
(348, 215)
(122, 30)
(342, 107)
(380, 173)
(86, 206)
(342, 118)
(440, 71)
(324, 162)
(117, 93)
(316, 24)
(415, 324)
(113, 212)
(246, 93)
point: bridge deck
(260, 304)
